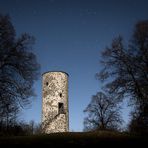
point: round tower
(55, 115)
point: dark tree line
(18, 71)
(21, 128)
(125, 74)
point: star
(34, 12)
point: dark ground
(78, 139)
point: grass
(77, 138)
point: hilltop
(77, 138)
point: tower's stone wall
(55, 102)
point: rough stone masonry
(55, 114)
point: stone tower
(55, 114)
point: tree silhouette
(18, 70)
(125, 69)
(103, 113)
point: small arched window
(60, 95)
(46, 83)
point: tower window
(61, 95)
(61, 108)
(46, 83)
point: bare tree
(38, 129)
(32, 126)
(125, 68)
(103, 113)
(18, 69)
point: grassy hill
(77, 138)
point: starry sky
(70, 35)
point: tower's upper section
(48, 72)
(55, 84)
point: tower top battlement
(55, 72)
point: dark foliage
(125, 70)
(20, 129)
(18, 71)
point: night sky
(70, 35)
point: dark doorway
(61, 108)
